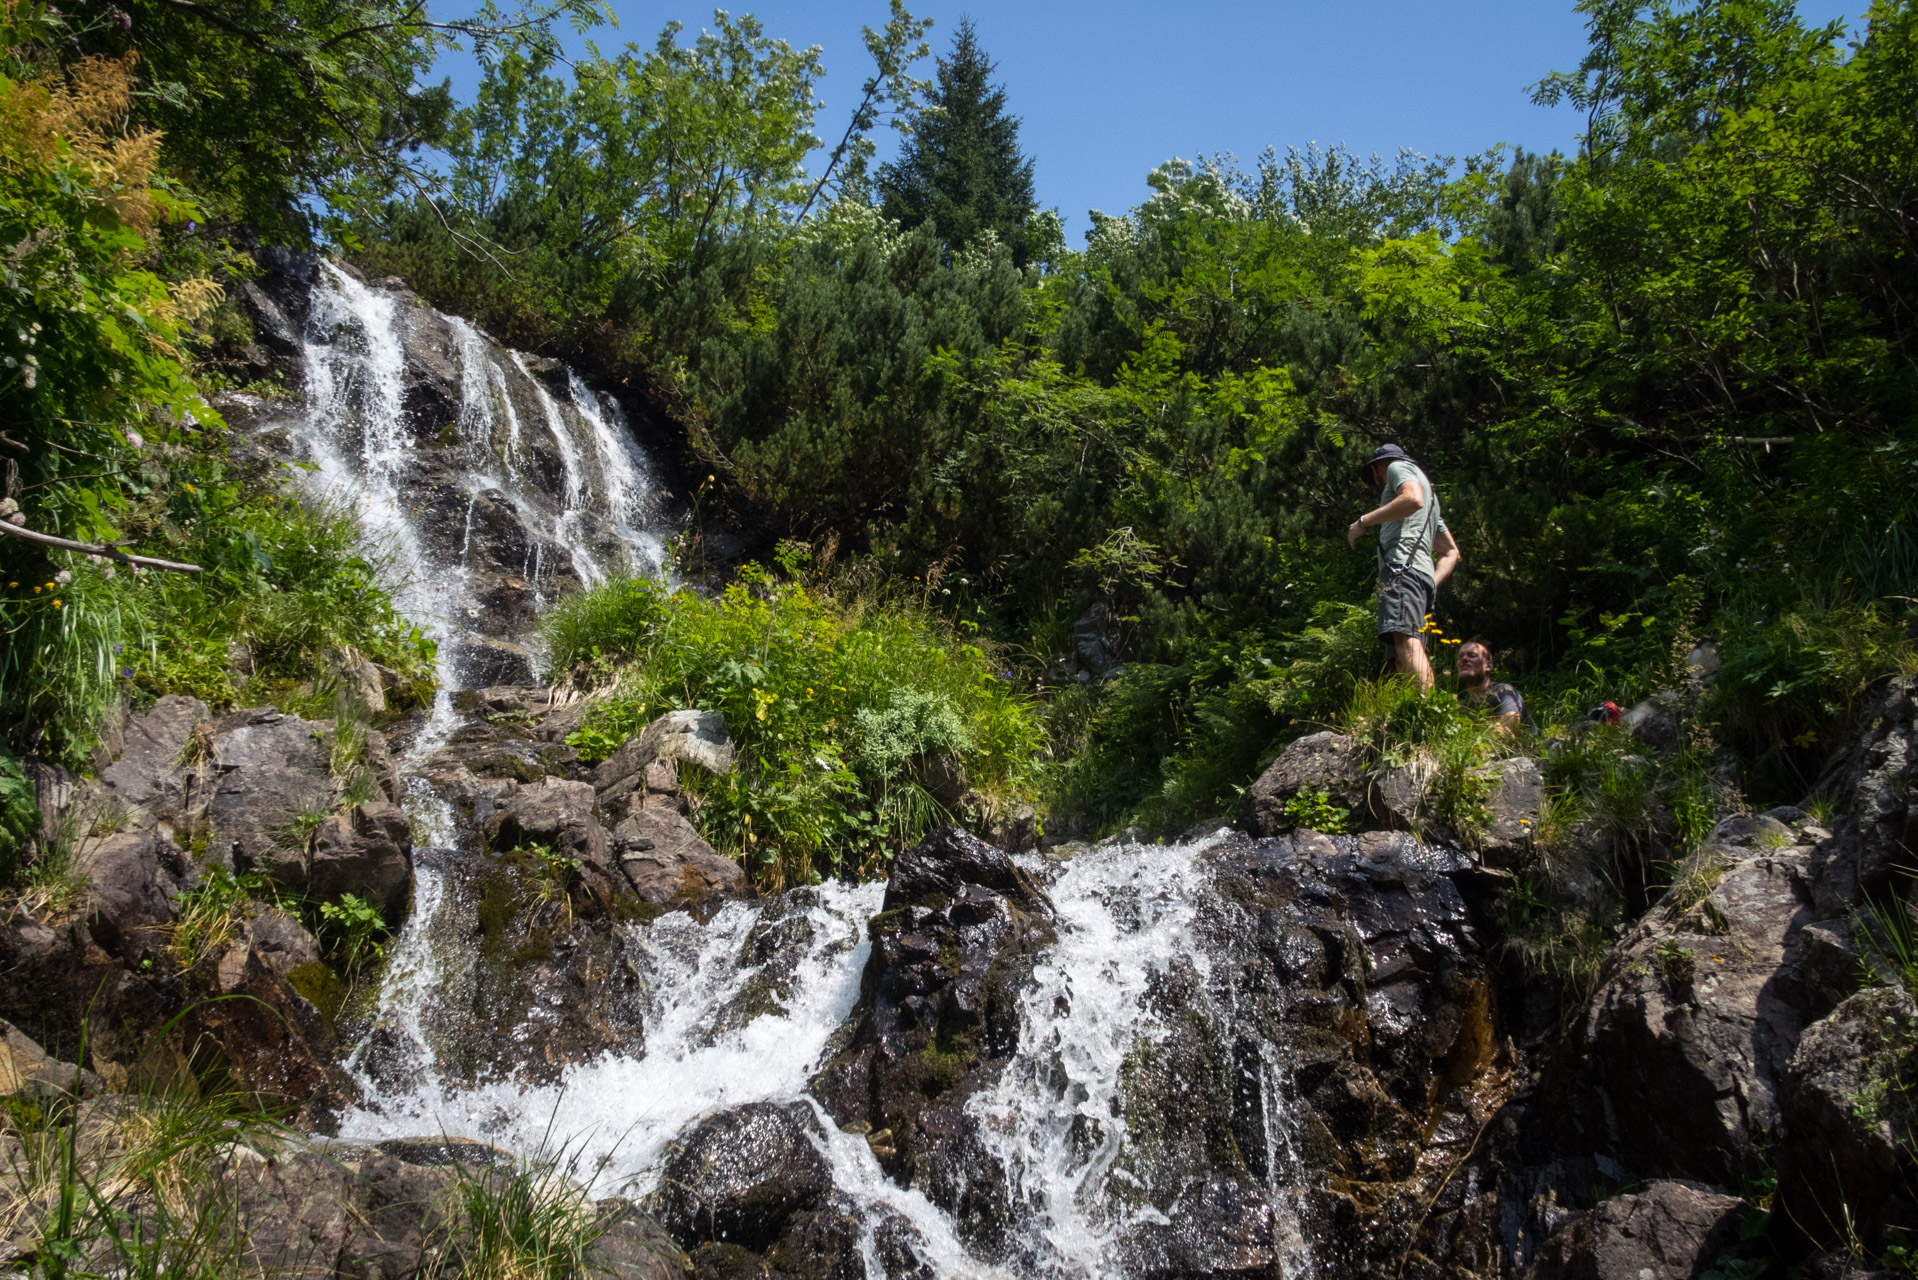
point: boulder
(1845, 1109)
(1668, 1231)
(366, 851)
(280, 942)
(1517, 799)
(28, 1071)
(697, 737)
(148, 779)
(1402, 796)
(667, 862)
(739, 1175)
(556, 814)
(268, 771)
(1327, 761)
(1695, 1017)
(632, 1246)
(132, 878)
(1654, 722)
(357, 681)
(949, 859)
(1877, 825)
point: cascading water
(507, 476)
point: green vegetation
(846, 711)
(1663, 384)
(115, 445)
(136, 1190)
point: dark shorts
(1404, 601)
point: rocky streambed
(1252, 1052)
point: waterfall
(483, 476)
(460, 488)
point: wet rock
(268, 770)
(1328, 762)
(366, 851)
(939, 1019)
(28, 1071)
(948, 860)
(556, 814)
(667, 862)
(1845, 1109)
(552, 977)
(738, 1176)
(1668, 1231)
(486, 660)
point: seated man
(1474, 667)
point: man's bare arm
(1410, 498)
(1445, 555)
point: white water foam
(355, 376)
(619, 1111)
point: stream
(544, 488)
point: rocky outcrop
(1876, 827)
(938, 1017)
(1679, 1053)
(667, 862)
(1845, 1104)
(265, 772)
(29, 1072)
(366, 851)
(1668, 1231)
(1326, 762)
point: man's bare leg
(1413, 662)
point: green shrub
(19, 817)
(1315, 811)
(287, 580)
(834, 704)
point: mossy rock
(320, 987)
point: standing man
(1416, 553)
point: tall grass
(839, 705)
(133, 1186)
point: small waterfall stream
(491, 484)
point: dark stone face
(740, 1175)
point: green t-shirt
(1406, 545)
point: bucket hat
(1385, 453)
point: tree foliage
(960, 169)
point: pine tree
(961, 169)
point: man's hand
(1354, 532)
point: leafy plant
(352, 928)
(1316, 811)
(207, 916)
(836, 704)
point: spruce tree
(961, 168)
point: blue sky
(1109, 90)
